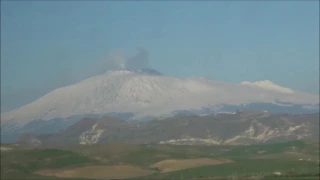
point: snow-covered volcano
(148, 93)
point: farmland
(294, 159)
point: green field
(255, 160)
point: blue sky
(49, 44)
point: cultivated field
(296, 159)
(98, 172)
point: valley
(119, 160)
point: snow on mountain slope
(268, 85)
(147, 95)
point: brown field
(175, 165)
(162, 155)
(98, 172)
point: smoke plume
(140, 60)
(116, 60)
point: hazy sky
(49, 44)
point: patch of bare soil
(170, 165)
(98, 172)
(162, 155)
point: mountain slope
(234, 129)
(144, 95)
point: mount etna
(138, 95)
